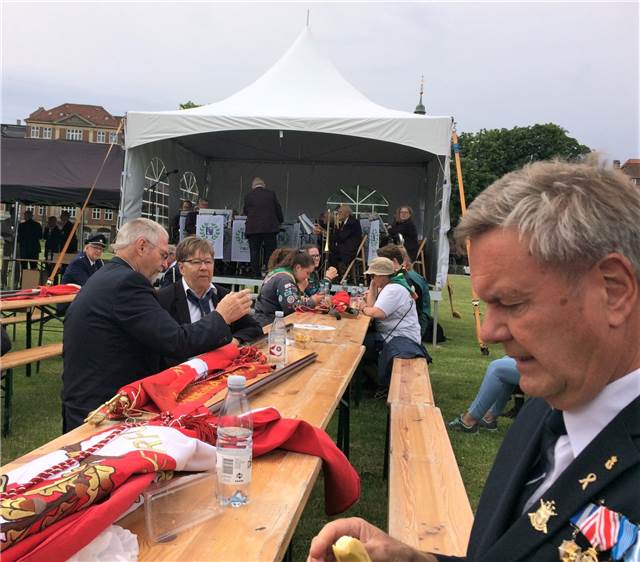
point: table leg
(344, 413)
(435, 323)
(28, 343)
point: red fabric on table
(53, 291)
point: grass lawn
(456, 373)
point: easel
(359, 258)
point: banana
(348, 549)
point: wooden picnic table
(46, 306)
(281, 483)
(350, 330)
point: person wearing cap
(264, 217)
(87, 262)
(390, 301)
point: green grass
(456, 373)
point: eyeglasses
(198, 263)
(315, 256)
(163, 255)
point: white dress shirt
(194, 309)
(585, 423)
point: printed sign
(374, 240)
(211, 227)
(239, 242)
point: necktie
(204, 303)
(552, 429)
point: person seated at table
(116, 331)
(344, 238)
(86, 262)
(390, 301)
(314, 285)
(497, 386)
(194, 295)
(283, 287)
(403, 231)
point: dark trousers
(265, 242)
(72, 418)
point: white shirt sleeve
(391, 298)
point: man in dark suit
(264, 217)
(116, 332)
(66, 226)
(29, 236)
(194, 295)
(87, 262)
(344, 239)
(555, 256)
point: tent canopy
(309, 133)
(57, 172)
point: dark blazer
(73, 245)
(116, 332)
(345, 241)
(29, 236)
(80, 269)
(498, 534)
(52, 240)
(264, 214)
(409, 234)
(174, 301)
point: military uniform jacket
(80, 269)
(498, 535)
(115, 332)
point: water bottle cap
(236, 381)
(279, 314)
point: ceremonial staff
(475, 301)
(72, 232)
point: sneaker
(488, 426)
(459, 425)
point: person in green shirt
(314, 285)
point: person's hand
(331, 273)
(317, 299)
(380, 546)
(234, 306)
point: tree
(191, 105)
(489, 154)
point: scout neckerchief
(286, 270)
(400, 279)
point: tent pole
(16, 222)
(475, 301)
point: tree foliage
(189, 105)
(488, 154)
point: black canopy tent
(57, 172)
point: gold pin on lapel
(588, 479)
(541, 516)
(611, 462)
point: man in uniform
(87, 262)
(116, 332)
(555, 255)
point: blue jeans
(496, 388)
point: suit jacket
(499, 534)
(66, 229)
(80, 269)
(345, 241)
(116, 332)
(174, 300)
(29, 235)
(264, 214)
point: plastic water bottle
(359, 296)
(234, 445)
(278, 341)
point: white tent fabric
(305, 129)
(303, 91)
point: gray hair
(138, 228)
(573, 213)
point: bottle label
(234, 466)
(276, 350)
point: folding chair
(358, 259)
(420, 264)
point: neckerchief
(400, 279)
(277, 270)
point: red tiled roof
(95, 114)
(632, 167)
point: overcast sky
(490, 65)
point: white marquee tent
(309, 133)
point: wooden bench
(14, 359)
(428, 505)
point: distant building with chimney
(75, 122)
(632, 168)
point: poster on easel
(239, 243)
(211, 227)
(374, 240)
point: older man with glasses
(116, 332)
(194, 295)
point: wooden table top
(20, 304)
(348, 330)
(282, 481)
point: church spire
(420, 110)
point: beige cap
(380, 266)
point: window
(113, 138)
(41, 210)
(35, 132)
(108, 214)
(28, 208)
(101, 136)
(95, 214)
(155, 198)
(46, 132)
(71, 210)
(189, 187)
(74, 134)
(361, 199)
